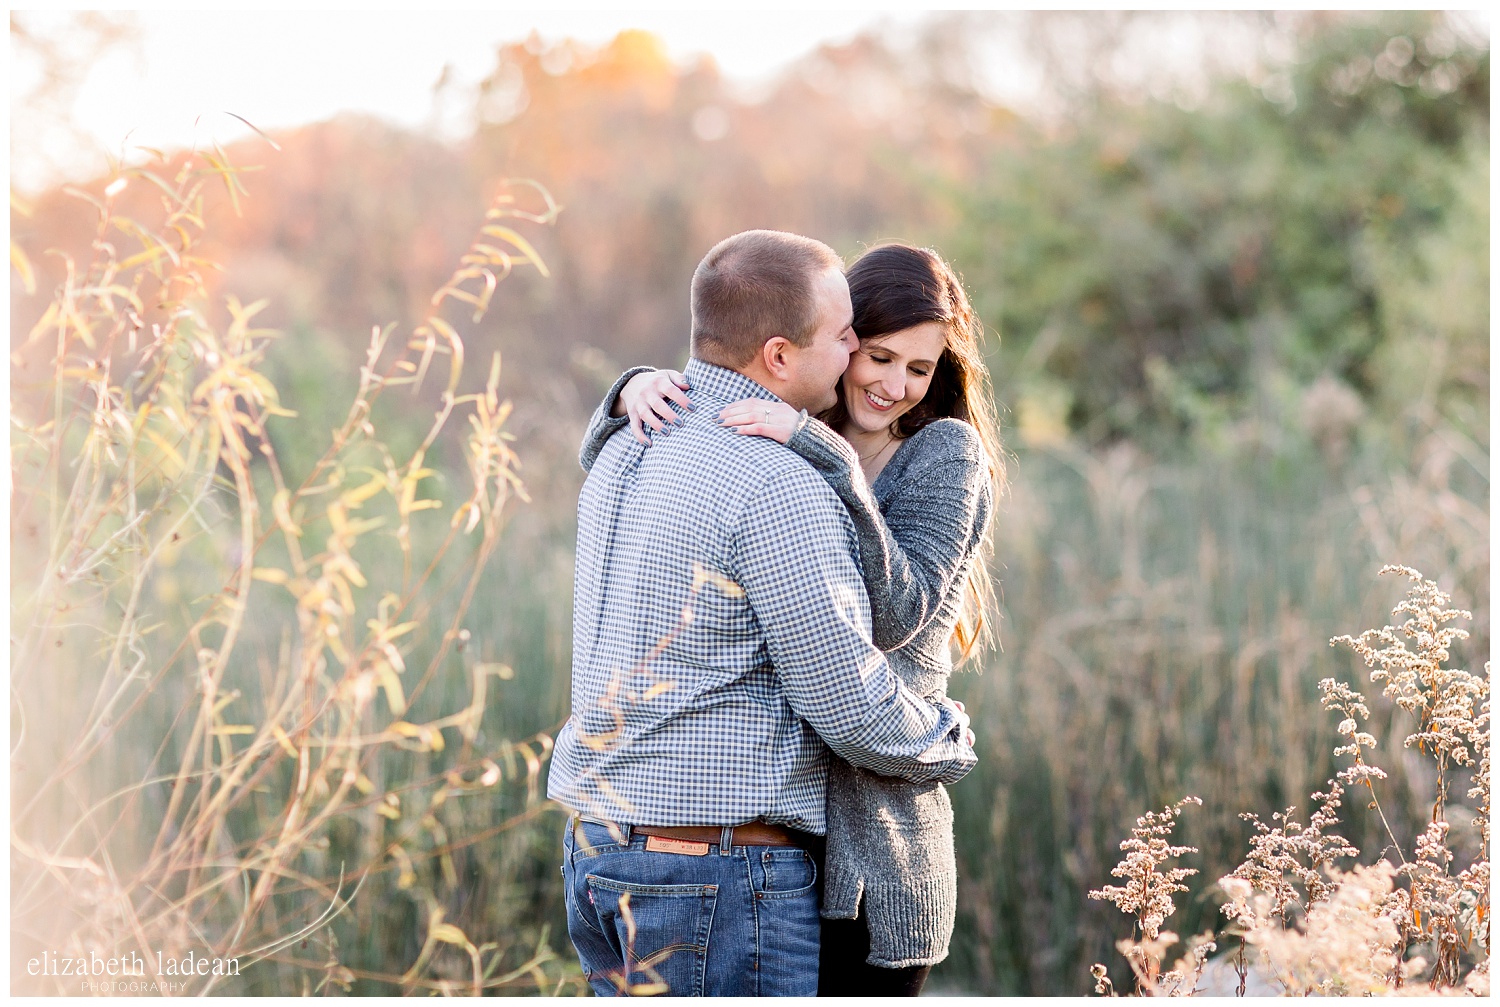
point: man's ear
(776, 356)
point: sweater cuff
(602, 425)
(911, 923)
(816, 441)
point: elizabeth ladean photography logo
(124, 974)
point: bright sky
(285, 68)
(282, 68)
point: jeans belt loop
(628, 830)
(726, 840)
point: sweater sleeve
(602, 425)
(791, 557)
(911, 555)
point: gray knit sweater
(919, 526)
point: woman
(912, 449)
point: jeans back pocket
(659, 931)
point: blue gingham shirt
(721, 636)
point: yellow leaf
(407, 877)
(521, 244)
(283, 741)
(149, 255)
(427, 736)
(394, 694)
(177, 464)
(456, 344)
(353, 498)
(449, 934)
(390, 632)
(219, 706)
(234, 729)
(357, 528)
(48, 319)
(22, 265)
(703, 575)
(141, 415)
(269, 574)
(281, 508)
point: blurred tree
(1157, 269)
(656, 163)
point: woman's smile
(890, 375)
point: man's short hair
(753, 286)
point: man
(721, 646)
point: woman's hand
(762, 418)
(646, 399)
(963, 717)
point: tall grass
(254, 717)
(1165, 626)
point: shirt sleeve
(602, 425)
(941, 509)
(793, 556)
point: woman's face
(888, 375)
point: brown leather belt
(748, 834)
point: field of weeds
(310, 697)
(291, 580)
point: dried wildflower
(1183, 978)
(1102, 984)
(1449, 911)
(1273, 864)
(1148, 892)
(1443, 699)
(1347, 946)
(1356, 927)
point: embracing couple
(781, 550)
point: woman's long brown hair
(895, 287)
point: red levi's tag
(661, 844)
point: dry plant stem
(54, 569)
(198, 868)
(370, 386)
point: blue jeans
(741, 924)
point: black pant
(843, 971)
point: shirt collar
(724, 384)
